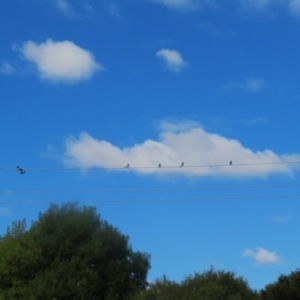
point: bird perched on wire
(181, 165)
(230, 162)
(20, 170)
(127, 166)
(159, 165)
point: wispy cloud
(210, 28)
(8, 193)
(256, 4)
(64, 7)
(282, 219)
(257, 121)
(294, 6)
(178, 142)
(6, 68)
(262, 256)
(60, 61)
(115, 10)
(172, 59)
(6, 212)
(252, 84)
(181, 4)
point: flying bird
(127, 166)
(230, 162)
(181, 165)
(20, 170)
(159, 165)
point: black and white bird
(159, 165)
(230, 162)
(181, 165)
(20, 170)
(127, 166)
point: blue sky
(87, 88)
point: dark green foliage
(69, 253)
(161, 289)
(287, 287)
(214, 285)
(210, 285)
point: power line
(157, 167)
(158, 200)
(142, 190)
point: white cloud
(252, 84)
(186, 142)
(262, 256)
(60, 61)
(6, 68)
(172, 58)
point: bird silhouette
(181, 165)
(20, 170)
(159, 165)
(230, 162)
(127, 166)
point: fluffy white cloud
(172, 58)
(60, 61)
(262, 256)
(252, 84)
(180, 142)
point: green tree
(287, 287)
(210, 285)
(69, 253)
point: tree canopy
(210, 285)
(287, 287)
(69, 253)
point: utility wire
(156, 167)
(159, 200)
(98, 191)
